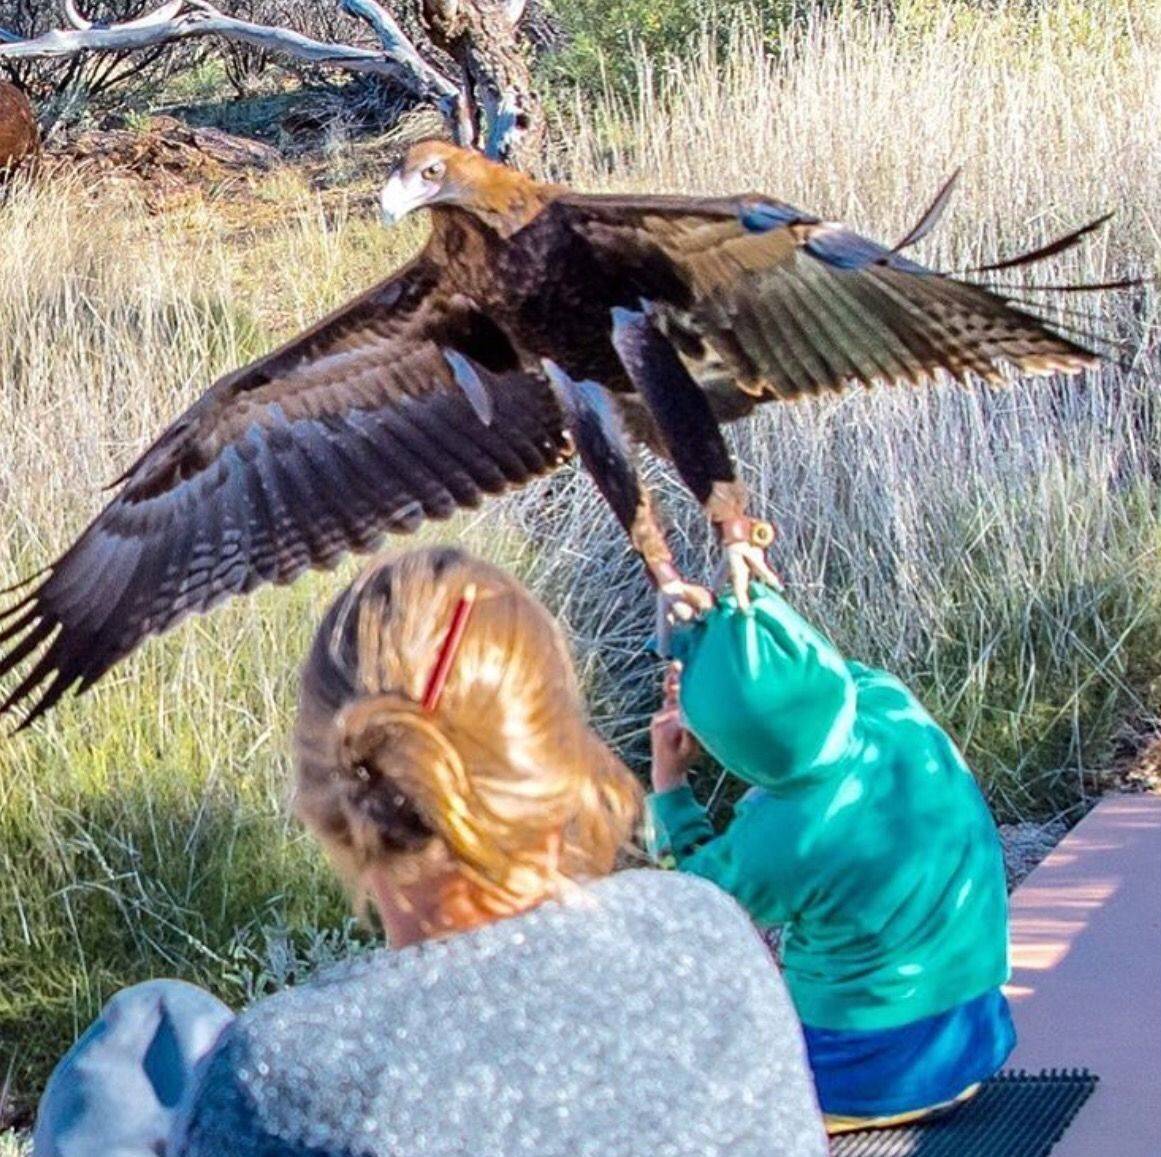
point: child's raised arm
(773, 701)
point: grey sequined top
(642, 1015)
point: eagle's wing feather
(355, 429)
(776, 303)
(410, 402)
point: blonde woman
(532, 1001)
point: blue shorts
(913, 1066)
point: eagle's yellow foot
(678, 601)
(744, 542)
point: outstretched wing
(766, 301)
(404, 405)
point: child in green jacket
(865, 838)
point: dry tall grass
(995, 547)
(998, 549)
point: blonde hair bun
(378, 738)
(504, 766)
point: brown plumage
(428, 392)
(19, 136)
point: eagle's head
(434, 173)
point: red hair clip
(448, 649)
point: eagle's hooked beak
(403, 193)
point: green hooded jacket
(867, 839)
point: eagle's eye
(433, 172)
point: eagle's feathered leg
(598, 433)
(691, 434)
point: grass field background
(998, 549)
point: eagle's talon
(743, 562)
(678, 601)
(684, 601)
(744, 541)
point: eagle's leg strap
(726, 510)
(743, 539)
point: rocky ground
(1026, 844)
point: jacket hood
(765, 693)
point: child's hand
(674, 749)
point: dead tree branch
(185, 19)
(491, 103)
(397, 45)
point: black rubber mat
(1014, 1115)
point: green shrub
(600, 40)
